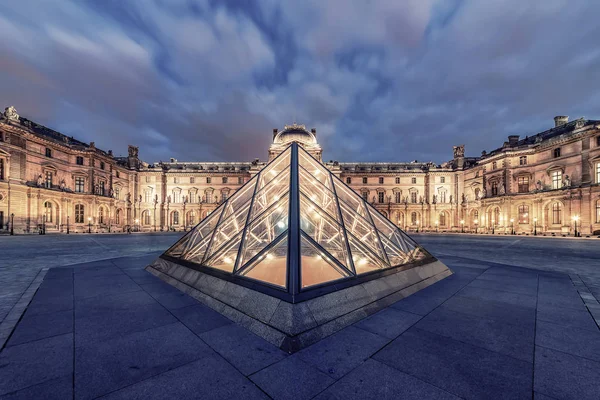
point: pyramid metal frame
(197, 242)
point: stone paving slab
(455, 339)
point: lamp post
(155, 203)
(89, 224)
(462, 226)
(68, 224)
(476, 222)
(493, 226)
(534, 226)
(12, 223)
(575, 219)
(436, 225)
(44, 224)
(137, 225)
(417, 226)
(512, 228)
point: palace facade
(547, 183)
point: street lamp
(575, 219)
(89, 224)
(512, 229)
(493, 226)
(44, 224)
(534, 226)
(476, 222)
(137, 225)
(68, 224)
(12, 223)
(436, 225)
(462, 226)
(417, 226)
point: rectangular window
(413, 180)
(442, 179)
(224, 179)
(523, 160)
(117, 194)
(48, 179)
(241, 180)
(495, 189)
(397, 197)
(598, 211)
(364, 180)
(413, 197)
(598, 141)
(48, 152)
(117, 174)
(224, 196)
(209, 197)
(208, 180)
(101, 188)
(2, 169)
(147, 196)
(365, 196)
(176, 196)
(79, 160)
(523, 184)
(147, 179)
(79, 213)
(556, 179)
(192, 179)
(556, 213)
(523, 214)
(381, 197)
(397, 180)
(381, 181)
(348, 180)
(79, 185)
(102, 165)
(175, 179)
(598, 173)
(494, 165)
(557, 152)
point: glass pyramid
(295, 227)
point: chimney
(560, 120)
(513, 140)
(314, 132)
(274, 133)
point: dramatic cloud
(380, 80)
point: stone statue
(538, 185)
(434, 201)
(63, 185)
(133, 151)
(502, 189)
(40, 180)
(482, 193)
(169, 199)
(459, 151)
(567, 182)
(128, 197)
(450, 199)
(111, 193)
(10, 113)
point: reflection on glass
(316, 266)
(224, 259)
(270, 266)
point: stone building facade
(545, 183)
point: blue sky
(379, 80)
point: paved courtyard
(514, 321)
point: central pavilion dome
(295, 132)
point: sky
(389, 80)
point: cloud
(380, 80)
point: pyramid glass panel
(317, 267)
(194, 244)
(315, 168)
(323, 197)
(270, 266)
(363, 258)
(274, 190)
(224, 258)
(229, 227)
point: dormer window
(556, 152)
(523, 160)
(48, 152)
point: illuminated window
(442, 219)
(48, 211)
(413, 218)
(175, 218)
(101, 188)
(598, 211)
(556, 179)
(523, 214)
(556, 213)
(146, 217)
(523, 184)
(79, 184)
(598, 173)
(523, 160)
(79, 212)
(101, 215)
(176, 196)
(49, 179)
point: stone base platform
(292, 327)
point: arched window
(191, 218)
(79, 211)
(48, 211)
(523, 214)
(598, 211)
(118, 217)
(101, 215)
(413, 218)
(443, 218)
(475, 215)
(175, 220)
(494, 188)
(146, 217)
(556, 213)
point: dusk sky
(380, 80)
